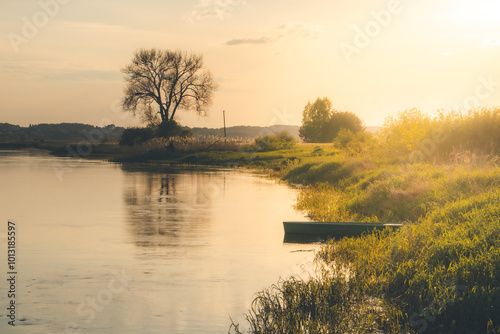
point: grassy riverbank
(438, 274)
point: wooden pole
(224, 116)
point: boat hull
(319, 231)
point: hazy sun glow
(481, 12)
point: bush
(136, 136)
(342, 120)
(281, 141)
(403, 133)
(169, 129)
(354, 143)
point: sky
(60, 60)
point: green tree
(314, 119)
(342, 120)
(321, 123)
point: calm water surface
(105, 248)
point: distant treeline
(58, 132)
(79, 132)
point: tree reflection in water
(163, 207)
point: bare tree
(167, 80)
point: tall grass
(215, 150)
(414, 135)
(443, 274)
(395, 193)
(165, 148)
(280, 141)
(327, 305)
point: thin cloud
(491, 42)
(261, 40)
(288, 30)
(303, 30)
(208, 9)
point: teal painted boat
(319, 231)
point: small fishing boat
(320, 231)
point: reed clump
(280, 141)
(413, 135)
(167, 148)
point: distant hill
(373, 129)
(59, 132)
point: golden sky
(60, 60)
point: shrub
(136, 136)
(403, 133)
(169, 129)
(354, 143)
(342, 120)
(280, 141)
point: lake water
(106, 248)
